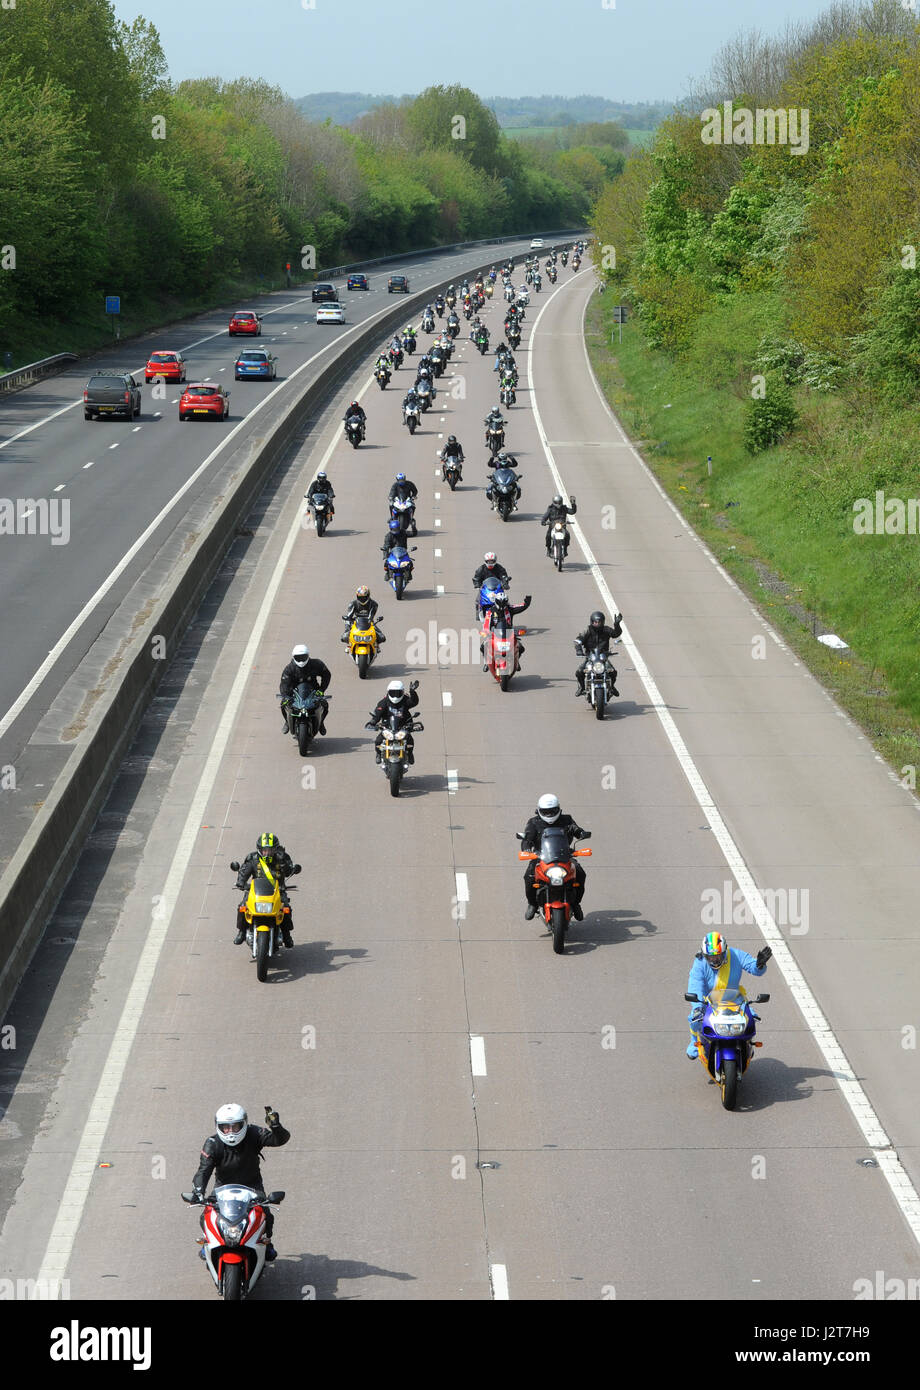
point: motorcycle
(450, 300)
(489, 290)
(600, 680)
(354, 430)
(509, 293)
(495, 439)
(408, 342)
(575, 264)
(425, 392)
(482, 342)
(394, 753)
(514, 336)
(468, 311)
(302, 711)
(412, 417)
(439, 307)
(382, 376)
(565, 258)
(437, 360)
(234, 1237)
(403, 510)
(453, 326)
(395, 354)
(490, 586)
(558, 543)
(501, 649)
(362, 642)
(450, 469)
(428, 323)
(725, 1041)
(399, 567)
(554, 879)
(503, 486)
(263, 911)
(507, 395)
(321, 507)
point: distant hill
(511, 112)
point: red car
(204, 398)
(245, 321)
(169, 365)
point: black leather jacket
(404, 706)
(366, 606)
(315, 673)
(239, 1163)
(404, 491)
(536, 825)
(557, 511)
(283, 866)
(317, 486)
(599, 638)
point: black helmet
(451, 439)
(597, 619)
(267, 846)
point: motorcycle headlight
(232, 1234)
(264, 905)
(404, 563)
(401, 735)
(556, 876)
(729, 1025)
(599, 667)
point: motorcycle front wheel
(363, 663)
(262, 945)
(558, 925)
(394, 775)
(729, 1083)
(320, 523)
(232, 1283)
(599, 702)
(303, 736)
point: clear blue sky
(641, 50)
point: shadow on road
(309, 1277)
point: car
(322, 293)
(169, 365)
(398, 283)
(111, 393)
(204, 398)
(255, 362)
(537, 244)
(245, 321)
(358, 282)
(330, 313)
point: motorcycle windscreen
(234, 1201)
(727, 998)
(554, 845)
(399, 552)
(306, 697)
(504, 477)
(319, 500)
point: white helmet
(395, 691)
(300, 655)
(232, 1124)
(548, 808)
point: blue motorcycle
(399, 566)
(725, 1037)
(490, 586)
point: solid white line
(868, 1122)
(26, 694)
(73, 1201)
(478, 1056)
(498, 1277)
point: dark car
(111, 393)
(322, 292)
(398, 282)
(357, 282)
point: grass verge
(782, 522)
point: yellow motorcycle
(363, 643)
(489, 290)
(263, 911)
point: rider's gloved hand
(271, 1117)
(763, 956)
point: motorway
(473, 1117)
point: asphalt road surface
(472, 1116)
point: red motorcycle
(554, 880)
(501, 646)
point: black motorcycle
(503, 488)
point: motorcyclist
(549, 813)
(321, 484)
(272, 859)
(383, 365)
(395, 701)
(410, 399)
(557, 511)
(595, 640)
(490, 569)
(453, 450)
(232, 1154)
(718, 966)
(301, 668)
(503, 460)
(428, 318)
(396, 535)
(362, 604)
(356, 412)
(502, 614)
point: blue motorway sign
(113, 304)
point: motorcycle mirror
(414, 548)
(519, 834)
(522, 632)
(189, 1197)
(693, 999)
(762, 999)
(234, 865)
(275, 1197)
(296, 869)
